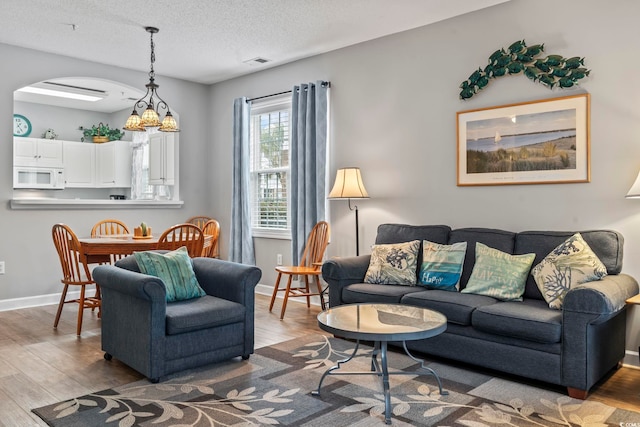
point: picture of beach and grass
(528, 142)
(535, 142)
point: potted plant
(101, 133)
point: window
(269, 136)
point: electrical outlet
(1, 267)
(278, 260)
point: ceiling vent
(62, 85)
(257, 61)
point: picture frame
(536, 142)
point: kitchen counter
(51, 203)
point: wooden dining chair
(110, 227)
(200, 221)
(75, 272)
(212, 228)
(179, 235)
(309, 266)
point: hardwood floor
(41, 366)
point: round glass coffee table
(381, 323)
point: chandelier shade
(151, 104)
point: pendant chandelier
(150, 117)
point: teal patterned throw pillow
(498, 274)
(394, 264)
(442, 265)
(175, 270)
(570, 264)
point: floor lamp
(348, 185)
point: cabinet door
(25, 152)
(79, 164)
(162, 159)
(113, 161)
(50, 153)
(106, 161)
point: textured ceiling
(207, 41)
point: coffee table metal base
(380, 370)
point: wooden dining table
(100, 249)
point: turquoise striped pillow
(442, 265)
(498, 274)
(175, 270)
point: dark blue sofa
(573, 347)
(157, 338)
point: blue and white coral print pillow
(394, 264)
(570, 264)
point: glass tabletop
(382, 322)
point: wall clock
(21, 125)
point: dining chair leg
(275, 291)
(62, 298)
(80, 310)
(286, 297)
(316, 278)
(306, 290)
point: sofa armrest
(593, 329)
(341, 272)
(131, 283)
(604, 296)
(227, 280)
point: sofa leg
(577, 393)
(154, 380)
(245, 356)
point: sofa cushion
(176, 271)
(498, 274)
(441, 266)
(498, 239)
(394, 264)
(530, 319)
(202, 313)
(606, 244)
(368, 292)
(455, 306)
(568, 265)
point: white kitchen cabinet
(37, 152)
(79, 164)
(162, 159)
(113, 164)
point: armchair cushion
(175, 270)
(202, 313)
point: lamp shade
(634, 191)
(348, 185)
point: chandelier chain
(153, 58)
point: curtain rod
(327, 84)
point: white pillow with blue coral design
(570, 264)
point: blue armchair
(157, 338)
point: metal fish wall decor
(551, 71)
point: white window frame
(269, 105)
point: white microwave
(38, 177)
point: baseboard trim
(268, 291)
(36, 301)
(631, 359)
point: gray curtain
(241, 241)
(308, 161)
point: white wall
(393, 114)
(32, 267)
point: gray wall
(32, 267)
(393, 114)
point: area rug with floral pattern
(274, 387)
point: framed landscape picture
(539, 142)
